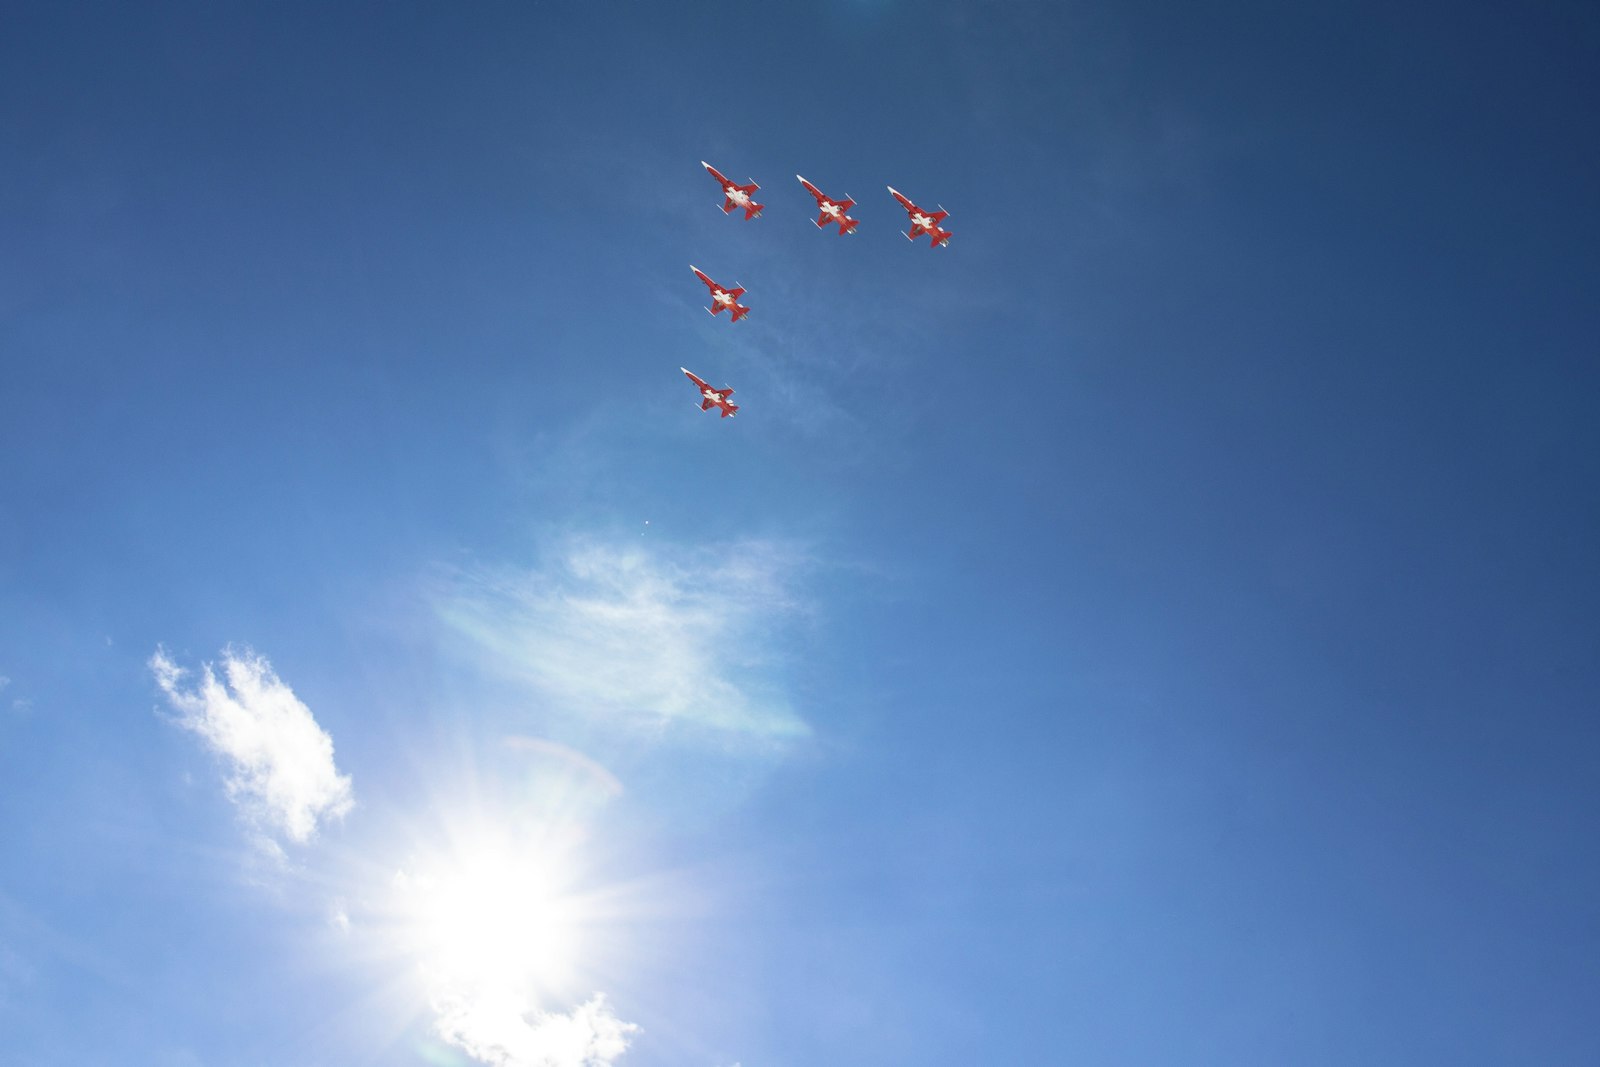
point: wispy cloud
(281, 772)
(497, 1027)
(687, 639)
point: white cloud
(631, 630)
(281, 772)
(497, 1027)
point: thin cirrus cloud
(681, 639)
(280, 769)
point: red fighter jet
(924, 222)
(722, 298)
(736, 195)
(712, 398)
(832, 210)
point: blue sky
(1159, 628)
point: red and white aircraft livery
(924, 222)
(712, 398)
(722, 298)
(832, 210)
(736, 195)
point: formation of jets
(829, 212)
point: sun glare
(493, 927)
(493, 913)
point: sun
(500, 918)
(493, 911)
